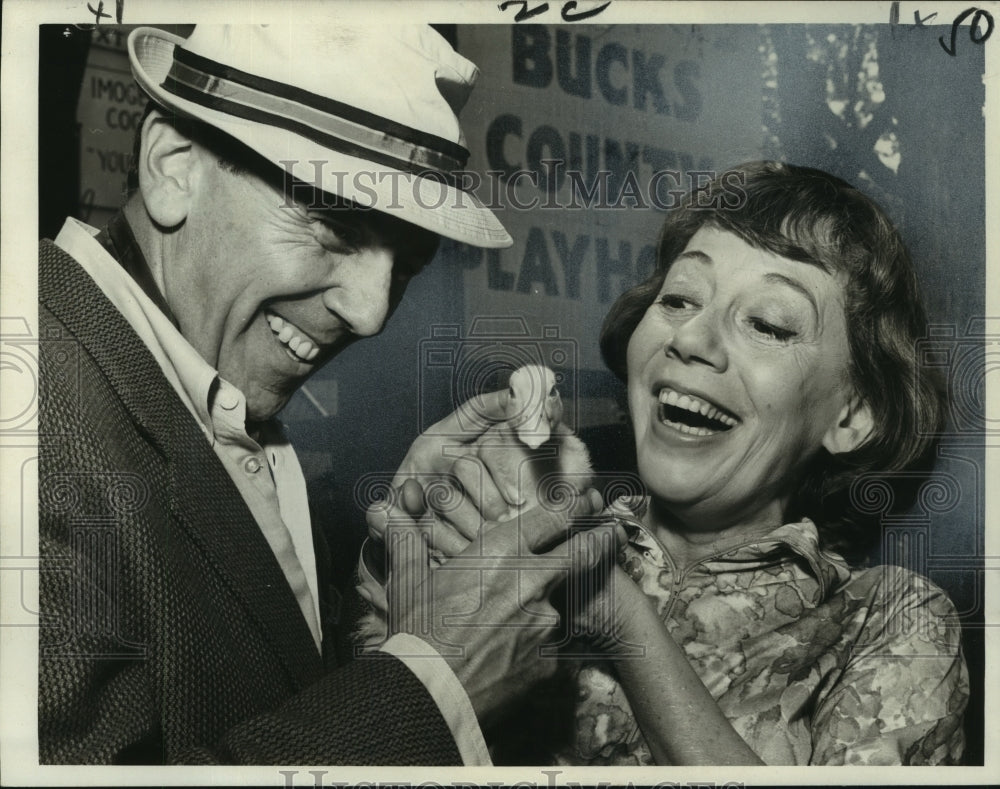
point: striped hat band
(325, 121)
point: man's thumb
(544, 527)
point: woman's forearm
(679, 719)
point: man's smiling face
(268, 290)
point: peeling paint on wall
(832, 52)
(852, 89)
(869, 89)
(771, 120)
(887, 148)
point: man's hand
(434, 451)
(444, 481)
(487, 611)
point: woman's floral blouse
(811, 661)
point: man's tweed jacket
(169, 633)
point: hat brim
(423, 201)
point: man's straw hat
(376, 106)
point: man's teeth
(686, 402)
(290, 336)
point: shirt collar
(195, 380)
(119, 241)
(800, 538)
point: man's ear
(165, 166)
(854, 424)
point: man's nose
(360, 293)
(699, 340)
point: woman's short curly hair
(811, 216)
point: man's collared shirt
(265, 470)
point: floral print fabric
(811, 661)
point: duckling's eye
(510, 391)
(552, 391)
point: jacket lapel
(205, 501)
(202, 497)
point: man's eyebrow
(793, 283)
(333, 210)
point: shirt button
(252, 465)
(228, 400)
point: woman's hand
(612, 613)
(679, 719)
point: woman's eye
(770, 330)
(675, 301)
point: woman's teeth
(291, 337)
(690, 414)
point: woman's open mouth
(297, 344)
(692, 415)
